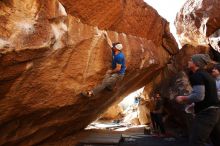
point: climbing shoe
(87, 94)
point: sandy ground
(133, 136)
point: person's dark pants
(159, 122)
(206, 124)
(153, 120)
(109, 82)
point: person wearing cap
(216, 74)
(114, 75)
(207, 106)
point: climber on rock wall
(112, 76)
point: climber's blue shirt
(119, 59)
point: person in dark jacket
(207, 107)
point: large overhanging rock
(48, 57)
(120, 16)
(133, 17)
(197, 21)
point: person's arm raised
(107, 38)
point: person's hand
(107, 38)
(105, 34)
(190, 108)
(109, 72)
(181, 99)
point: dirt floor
(149, 140)
(133, 136)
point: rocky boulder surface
(132, 17)
(51, 51)
(198, 23)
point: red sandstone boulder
(113, 113)
(48, 57)
(197, 21)
(133, 17)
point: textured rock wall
(198, 23)
(49, 55)
(130, 17)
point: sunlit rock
(143, 112)
(214, 40)
(197, 21)
(113, 113)
(132, 17)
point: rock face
(143, 112)
(198, 23)
(124, 17)
(113, 113)
(49, 55)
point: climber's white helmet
(118, 46)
